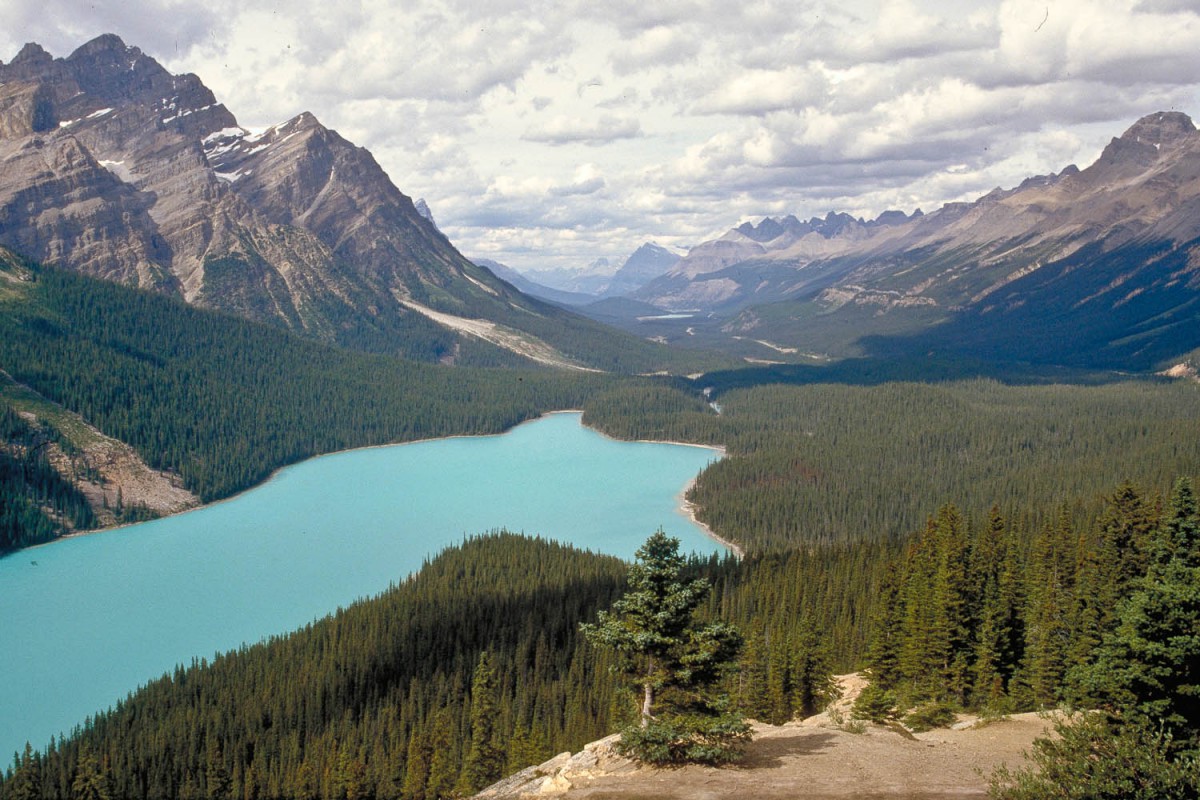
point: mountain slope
(1097, 267)
(117, 169)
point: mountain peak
(649, 248)
(303, 120)
(104, 43)
(32, 53)
(423, 209)
(1163, 127)
(118, 75)
(1142, 145)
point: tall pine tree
(673, 660)
(1149, 668)
(485, 758)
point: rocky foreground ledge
(819, 757)
(562, 773)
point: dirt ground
(803, 761)
(814, 758)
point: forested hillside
(833, 462)
(373, 699)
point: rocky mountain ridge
(1113, 246)
(1144, 184)
(116, 168)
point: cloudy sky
(549, 133)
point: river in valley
(85, 620)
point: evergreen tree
(951, 608)
(1125, 530)
(442, 767)
(813, 686)
(779, 682)
(883, 653)
(89, 783)
(1149, 668)
(1011, 620)
(917, 654)
(1107, 571)
(934, 652)
(752, 676)
(416, 773)
(218, 783)
(523, 750)
(1090, 759)
(673, 660)
(26, 782)
(485, 758)
(988, 673)
(1048, 628)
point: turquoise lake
(86, 620)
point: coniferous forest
(971, 544)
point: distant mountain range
(1092, 267)
(599, 280)
(113, 167)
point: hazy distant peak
(652, 250)
(423, 209)
(896, 217)
(833, 224)
(600, 266)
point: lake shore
(689, 508)
(686, 508)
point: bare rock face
(58, 202)
(25, 109)
(560, 774)
(114, 167)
